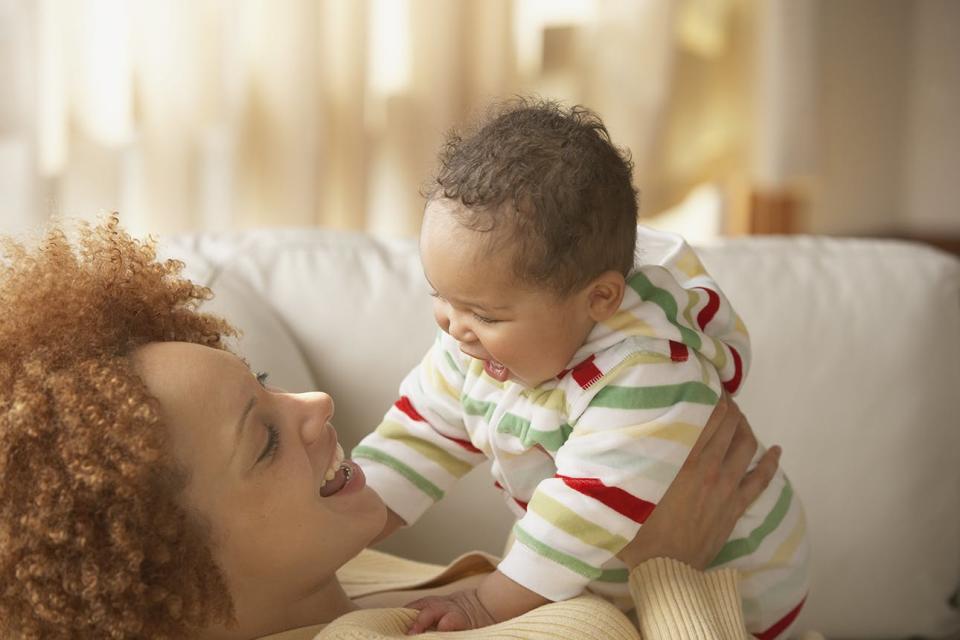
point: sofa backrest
(856, 372)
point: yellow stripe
(782, 555)
(437, 380)
(626, 322)
(553, 399)
(741, 328)
(693, 299)
(398, 433)
(636, 359)
(689, 264)
(679, 432)
(569, 521)
(706, 368)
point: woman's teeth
(338, 457)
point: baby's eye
(262, 378)
(484, 319)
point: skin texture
(276, 540)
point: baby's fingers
(453, 621)
(430, 613)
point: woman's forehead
(198, 388)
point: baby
(579, 352)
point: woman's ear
(604, 295)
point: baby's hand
(456, 612)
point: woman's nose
(317, 408)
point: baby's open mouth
(496, 370)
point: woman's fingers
(759, 477)
(716, 437)
(716, 420)
(742, 448)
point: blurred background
(743, 116)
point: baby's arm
(422, 447)
(496, 599)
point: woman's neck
(258, 615)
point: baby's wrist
(504, 599)
(474, 608)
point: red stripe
(733, 383)
(713, 303)
(678, 351)
(406, 406)
(617, 499)
(466, 444)
(784, 622)
(523, 505)
(586, 373)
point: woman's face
(257, 458)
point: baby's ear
(605, 293)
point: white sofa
(856, 373)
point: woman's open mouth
(342, 475)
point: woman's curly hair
(93, 541)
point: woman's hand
(696, 515)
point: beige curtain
(216, 114)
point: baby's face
(520, 333)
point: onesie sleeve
(624, 450)
(421, 447)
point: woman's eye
(273, 442)
(485, 320)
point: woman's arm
(674, 597)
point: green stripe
(654, 397)
(398, 433)
(364, 451)
(662, 298)
(614, 575)
(451, 363)
(520, 427)
(577, 566)
(473, 407)
(744, 546)
(563, 518)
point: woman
(152, 486)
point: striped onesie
(584, 458)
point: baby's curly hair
(549, 180)
(93, 541)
